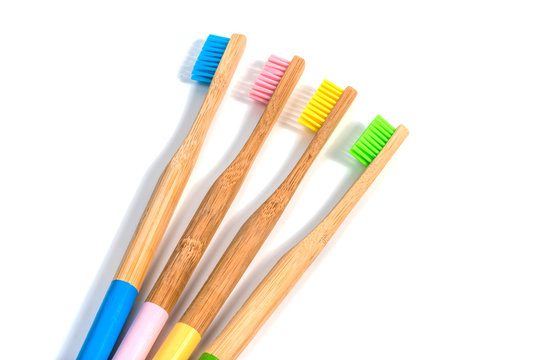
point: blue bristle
(209, 58)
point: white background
(438, 261)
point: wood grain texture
(284, 275)
(217, 201)
(257, 228)
(170, 185)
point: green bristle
(207, 356)
(372, 141)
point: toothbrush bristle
(372, 141)
(320, 105)
(269, 78)
(209, 58)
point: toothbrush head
(320, 105)
(209, 58)
(269, 78)
(372, 141)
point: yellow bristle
(317, 110)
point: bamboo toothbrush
(273, 87)
(216, 65)
(374, 149)
(323, 113)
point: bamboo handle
(284, 275)
(257, 228)
(168, 190)
(241, 329)
(217, 201)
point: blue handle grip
(109, 321)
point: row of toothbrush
(216, 65)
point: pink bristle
(269, 78)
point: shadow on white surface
(105, 275)
(184, 74)
(243, 86)
(294, 107)
(337, 151)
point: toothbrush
(216, 65)
(323, 113)
(273, 87)
(374, 149)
